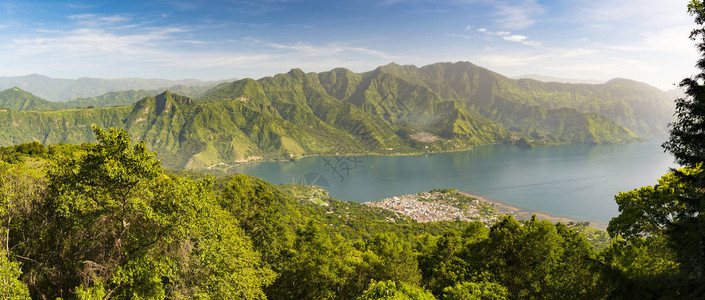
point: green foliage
(95, 292)
(649, 211)
(316, 266)
(686, 142)
(111, 223)
(258, 209)
(11, 287)
(389, 290)
(654, 252)
(475, 291)
(396, 259)
(687, 231)
(105, 220)
(18, 153)
(643, 268)
(535, 259)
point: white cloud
(515, 38)
(508, 36)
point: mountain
(128, 97)
(545, 78)
(119, 98)
(18, 99)
(390, 110)
(637, 106)
(61, 90)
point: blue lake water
(575, 181)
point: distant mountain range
(391, 110)
(61, 90)
(545, 78)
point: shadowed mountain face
(390, 110)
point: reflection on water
(577, 181)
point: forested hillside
(104, 220)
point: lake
(574, 181)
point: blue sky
(645, 40)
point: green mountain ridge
(18, 99)
(391, 110)
(638, 106)
(128, 97)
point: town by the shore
(451, 205)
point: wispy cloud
(93, 41)
(516, 15)
(95, 20)
(331, 49)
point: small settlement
(441, 205)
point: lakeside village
(438, 205)
(441, 205)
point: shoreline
(523, 214)
(270, 160)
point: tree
(114, 224)
(389, 290)
(316, 267)
(257, 208)
(687, 144)
(475, 291)
(19, 186)
(397, 261)
(640, 268)
(648, 211)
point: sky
(644, 40)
